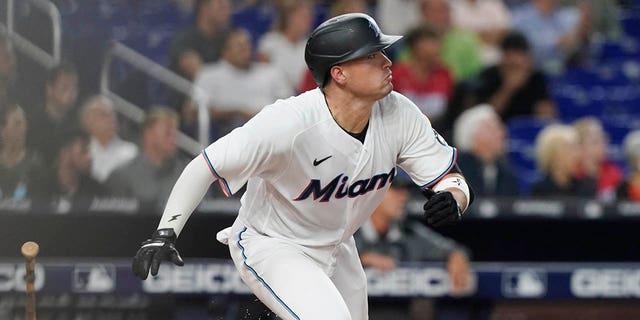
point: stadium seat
(575, 101)
(631, 23)
(255, 19)
(522, 133)
(625, 48)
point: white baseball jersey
(311, 182)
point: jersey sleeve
(424, 154)
(257, 149)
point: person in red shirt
(594, 161)
(629, 189)
(423, 77)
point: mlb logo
(524, 283)
(94, 278)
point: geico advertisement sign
(428, 282)
(224, 278)
(606, 283)
(199, 278)
(12, 277)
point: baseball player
(316, 166)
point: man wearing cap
(316, 166)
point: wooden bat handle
(30, 251)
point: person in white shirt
(489, 19)
(108, 151)
(283, 47)
(316, 166)
(398, 16)
(236, 88)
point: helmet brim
(389, 40)
(385, 42)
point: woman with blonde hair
(557, 156)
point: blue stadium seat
(625, 48)
(575, 101)
(619, 72)
(630, 21)
(522, 133)
(255, 19)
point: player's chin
(388, 87)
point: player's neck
(351, 114)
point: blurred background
(103, 102)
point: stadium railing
(47, 59)
(162, 74)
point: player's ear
(338, 74)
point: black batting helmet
(343, 38)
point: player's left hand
(441, 208)
(160, 247)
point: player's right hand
(160, 247)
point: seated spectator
(58, 114)
(423, 78)
(515, 87)
(19, 166)
(555, 32)
(397, 17)
(389, 238)
(489, 19)
(190, 50)
(108, 151)
(593, 160)
(557, 156)
(629, 190)
(460, 48)
(480, 136)
(202, 43)
(150, 176)
(67, 185)
(236, 88)
(7, 70)
(283, 47)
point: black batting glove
(441, 208)
(161, 246)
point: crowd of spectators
(471, 66)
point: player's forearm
(187, 193)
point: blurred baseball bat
(30, 251)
